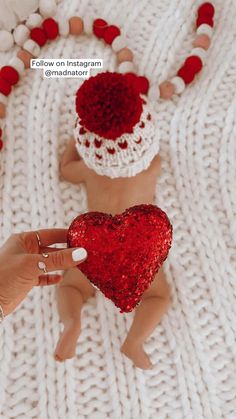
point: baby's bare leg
(154, 304)
(72, 293)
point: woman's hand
(26, 259)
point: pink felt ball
(167, 89)
(202, 41)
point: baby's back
(113, 196)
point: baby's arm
(72, 167)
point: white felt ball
(47, 8)
(119, 43)
(17, 64)
(126, 67)
(64, 26)
(34, 20)
(6, 41)
(3, 99)
(179, 84)
(154, 92)
(32, 47)
(205, 29)
(199, 52)
(88, 25)
(21, 34)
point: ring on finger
(42, 265)
(38, 238)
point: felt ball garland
(37, 31)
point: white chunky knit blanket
(194, 348)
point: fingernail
(79, 254)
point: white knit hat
(130, 139)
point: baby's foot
(136, 353)
(66, 345)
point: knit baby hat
(115, 133)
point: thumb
(64, 259)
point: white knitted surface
(193, 349)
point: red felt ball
(205, 20)
(99, 27)
(108, 105)
(5, 87)
(1, 144)
(9, 74)
(187, 74)
(132, 78)
(111, 33)
(38, 35)
(194, 62)
(142, 84)
(206, 9)
(51, 28)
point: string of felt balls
(36, 32)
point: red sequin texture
(124, 251)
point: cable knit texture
(193, 349)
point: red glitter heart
(124, 251)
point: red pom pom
(110, 34)
(38, 35)
(51, 28)
(194, 62)
(1, 144)
(108, 105)
(187, 74)
(205, 20)
(5, 87)
(206, 9)
(10, 74)
(99, 27)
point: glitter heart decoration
(125, 251)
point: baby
(113, 184)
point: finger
(52, 235)
(49, 280)
(58, 260)
(51, 249)
(32, 241)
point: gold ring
(38, 238)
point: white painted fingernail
(79, 254)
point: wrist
(1, 314)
